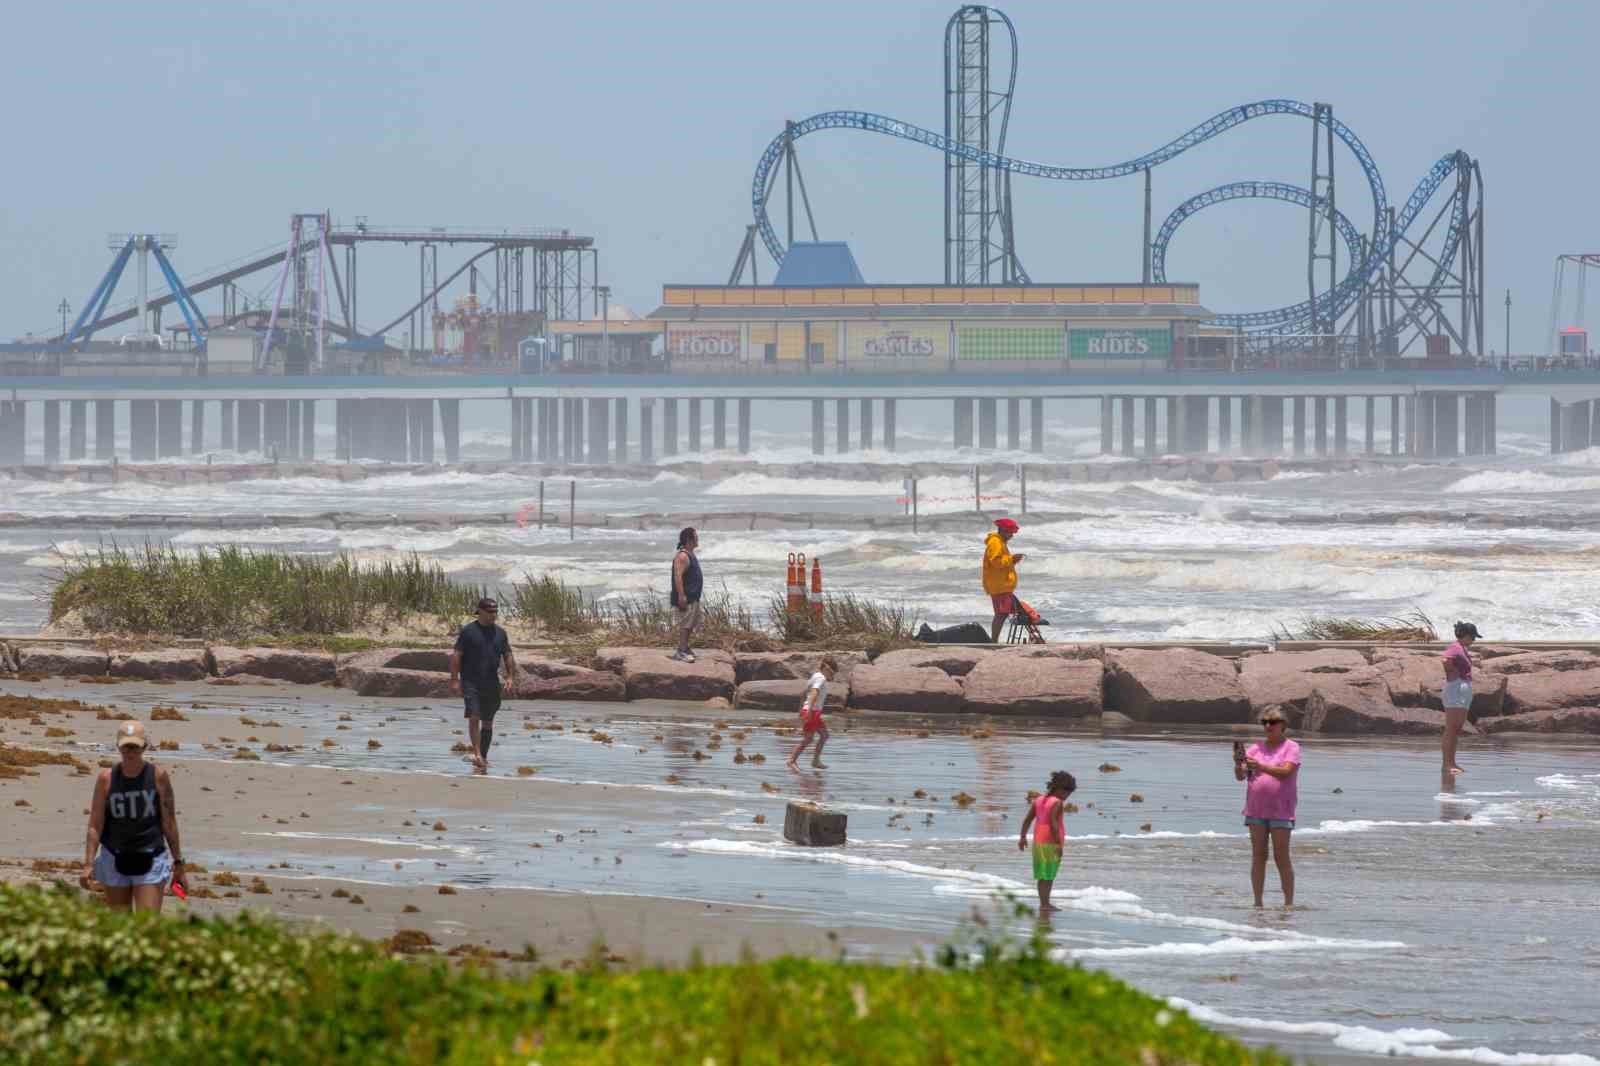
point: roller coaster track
(1366, 264)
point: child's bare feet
(819, 764)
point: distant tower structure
(978, 243)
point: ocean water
(1138, 559)
(1459, 926)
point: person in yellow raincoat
(1000, 572)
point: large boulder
(1536, 662)
(786, 695)
(653, 674)
(281, 664)
(583, 686)
(1337, 705)
(1285, 678)
(916, 689)
(789, 665)
(1016, 682)
(957, 662)
(371, 673)
(62, 660)
(170, 664)
(1551, 689)
(1553, 720)
(1174, 685)
(1416, 679)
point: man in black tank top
(687, 585)
(132, 847)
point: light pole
(65, 309)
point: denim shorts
(1457, 694)
(1270, 823)
(105, 871)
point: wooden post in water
(977, 501)
(541, 503)
(1022, 471)
(913, 505)
(572, 510)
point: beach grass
(1410, 628)
(80, 983)
(845, 621)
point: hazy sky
(640, 124)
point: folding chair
(1022, 629)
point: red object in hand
(177, 890)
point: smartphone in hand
(1238, 751)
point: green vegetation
(81, 984)
(1412, 627)
(235, 593)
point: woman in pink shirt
(1272, 768)
(1457, 695)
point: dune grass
(80, 983)
(1412, 627)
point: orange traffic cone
(792, 596)
(800, 581)
(816, 588)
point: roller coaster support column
(888, 424)
(1224, 424)
(1149, 427)
(841, 426)
(290, 448)
(1107, 428)
(1196, 425)
(77, 429)
(1555, 426)
(1341, 425)
(1320, 406)
(1014, 424)
(342, 426)
(1473, 418)
(647, 431)
(308, 429)
(1036, 426)
(694, 426)
(1272, 424)
(619, 415)
(517, 455)
(169, 434)
(743, 417)
(1394, 425)
(528, 428)
(1174, 442)
(1299, 403)
(599, 431)
(669, 430)
(450, 424)
(963, 419)
(1447, 423)
(1370, 447)
(1490, 401)
(11, 415)
(1127, 426)
(719, 424)
(412, 411)
(577, 430)
(988, 416)
(817, 413)
(225, 408)
(52, 432)
(866, 424)
(105, 429)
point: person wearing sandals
(1457, 694)
(1271, 766)
(132, 847)
(687, 585)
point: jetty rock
(653, 674)
(785, 695)
(915, 689)
(1175, 685)
(789, 665)
(1285, 678)
(301, 667)
(954, 661)
(1013, 681)
(1416, 679)
(171, 664)
(396, 672)
(1552, 720)
(1340, 705)
(1551, 690)
(61, 660)
(549, 679)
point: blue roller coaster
(1376, 289)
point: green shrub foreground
(81, 984)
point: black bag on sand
(966, 633)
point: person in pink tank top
(1046, 815)
(1272, 769)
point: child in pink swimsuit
(1045, 814)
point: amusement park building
(900, 328)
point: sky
(640, 124)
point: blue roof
(812, 263)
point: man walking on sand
(687, 585)
(481, 647)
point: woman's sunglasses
(1272, 721)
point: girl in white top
(811, 708)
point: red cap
(1006, 525)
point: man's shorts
(1004, 602)
(482, 703)
(811, 721)
(105, 871)
(1270, 823)
(1046, 861)
(687, 619)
